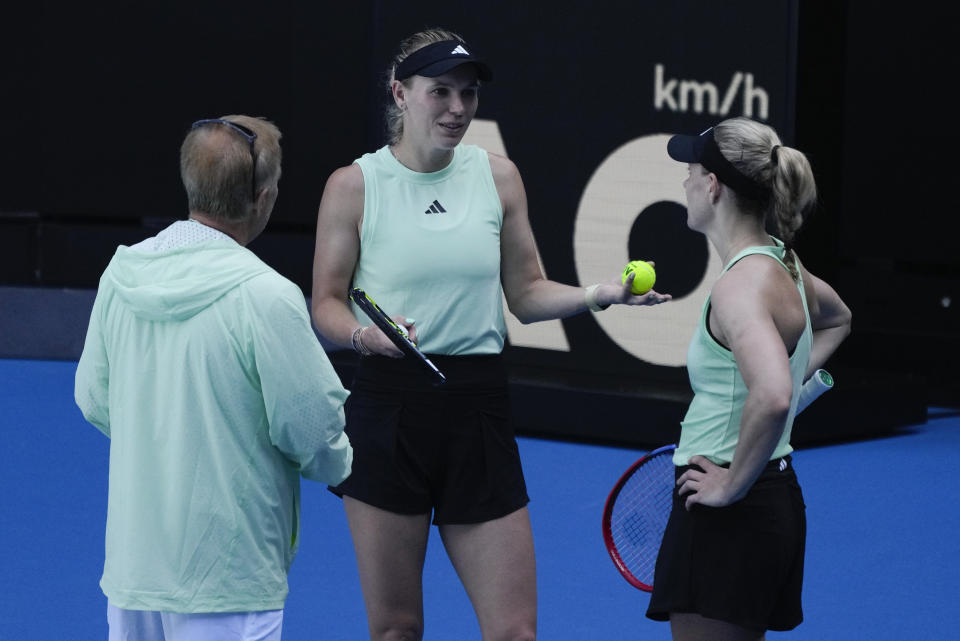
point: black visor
(703, 150)
(438, 58)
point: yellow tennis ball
(643, 280)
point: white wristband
(590, 297)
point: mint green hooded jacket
(201, 366)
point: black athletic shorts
(449, 448)
(742, 563)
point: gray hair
(216, 166)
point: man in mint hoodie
(201, 366)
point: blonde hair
(755, 150)
(419, 40)
(216, 165)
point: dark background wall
(98, 97)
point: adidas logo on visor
(460, 50)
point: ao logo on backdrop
(627, 183)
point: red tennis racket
(636, 514)
(639, 505)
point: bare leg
(390, 551)
(693, 627)
(495, 562)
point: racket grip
(816, 385)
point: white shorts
(149, 625)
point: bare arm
(335, 255)
(830, 319)
(530, 296)
(335, 258)
(744, 302)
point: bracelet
(357, 341)
(590, 297)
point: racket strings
(640, 515)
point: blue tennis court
(882, 553)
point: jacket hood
(179, 283)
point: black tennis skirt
(742, 563)
(448, 448)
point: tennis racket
(637, 508)
(636, 513)
(816, 385)
(394, 332)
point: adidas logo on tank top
(435, 208)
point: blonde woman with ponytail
(731, 561)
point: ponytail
(793, 193)
(755, 150)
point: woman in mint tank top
(436, 232)
(731, 561)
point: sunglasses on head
(250, 137)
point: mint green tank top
(430, 250)
(711, 426)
